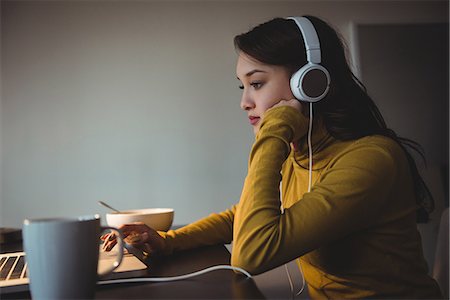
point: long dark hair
(351, 114)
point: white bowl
(156, 218)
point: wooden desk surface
(222, 284)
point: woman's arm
(212, 230)
(215, 229)
(347, 199)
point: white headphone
(312, 81)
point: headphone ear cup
(295, 84)
(311, 83)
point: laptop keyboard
(12, 267)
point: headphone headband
(310, 38)
(312, 81)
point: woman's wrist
(288, 116)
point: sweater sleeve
(347, 198)
(215, 229)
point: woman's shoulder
(378, 141)
(374, 149)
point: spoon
(109, 206)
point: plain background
(415, 97)
(136, 103)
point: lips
(253, 119)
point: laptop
(13, 268)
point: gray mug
(62, 256)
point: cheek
(282, 91)
(285, 90)
(279, 90)
(267, 103)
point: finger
(145, 237)
(282, 102)
(109, 241)
(104, 237)
(148, 248)
(111, 237)
(108, 236)
(105, 246)
(278, 103)
(138, 226)
(133, 238)
(109, 245)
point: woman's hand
(292, 103)
(295, 104)
(137, 235)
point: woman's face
(263, 86)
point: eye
(256, 84)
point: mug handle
(120, 245)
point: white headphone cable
(310, 157)
(291, 284)
(310, 154)
(303, 280)
(175, 278)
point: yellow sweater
(354, 233)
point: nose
(246, 102)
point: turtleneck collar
(323, 144)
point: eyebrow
(252, 72)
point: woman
(351, 221)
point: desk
(222, 284)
